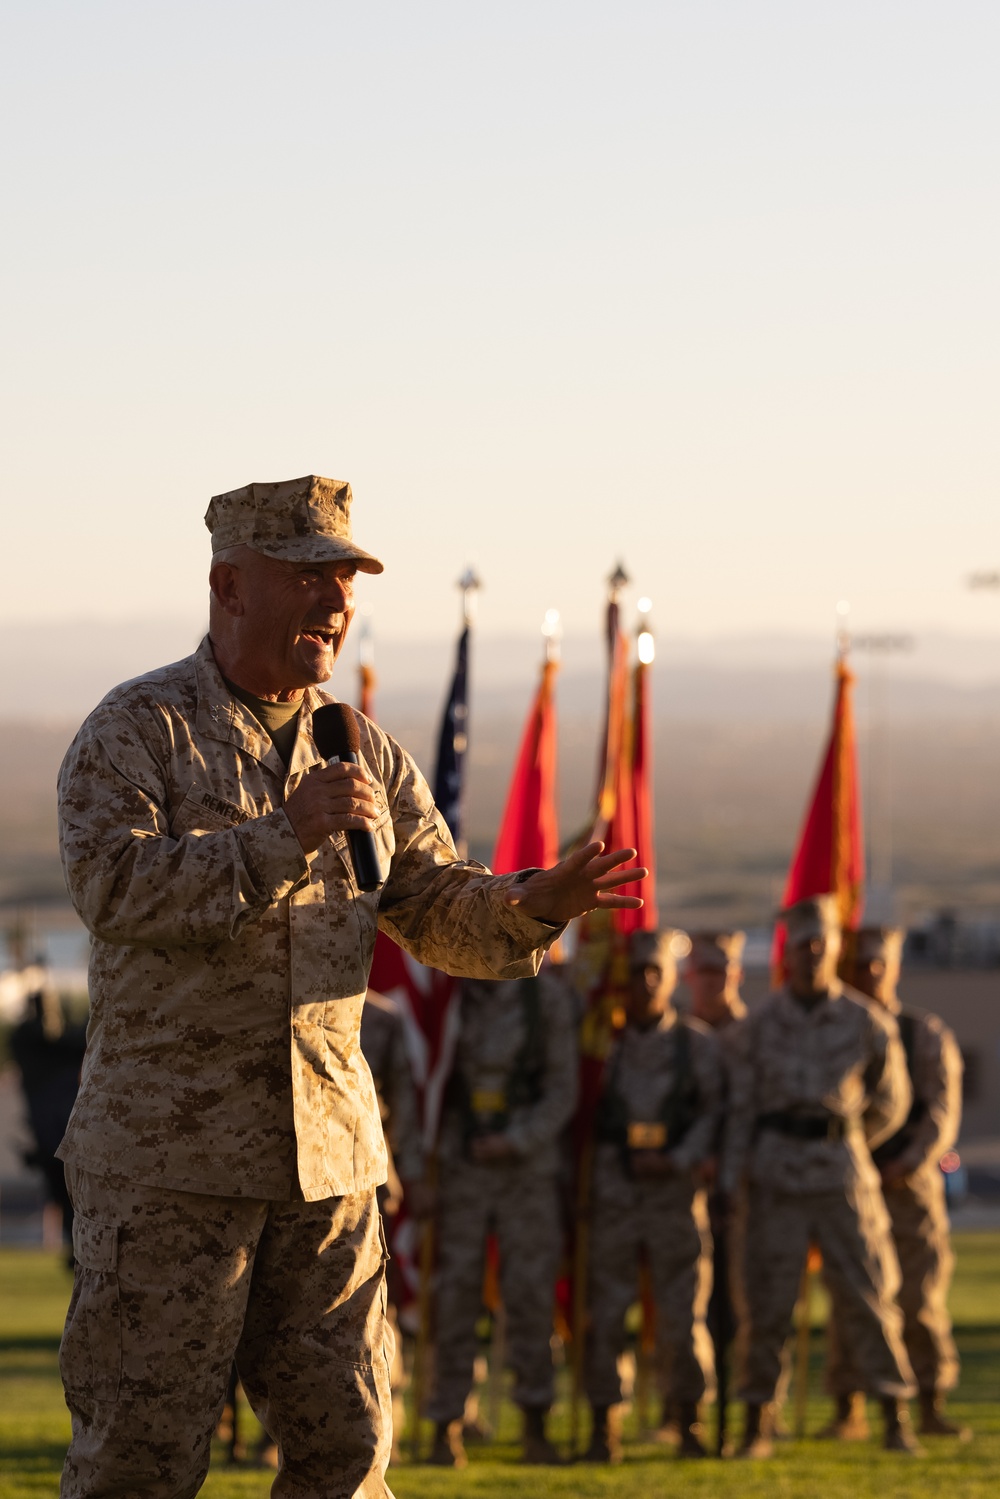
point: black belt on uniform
(804, 1126)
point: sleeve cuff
(528, 931)
(274, 854)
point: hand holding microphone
(339, 796)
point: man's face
(650, 988)
(878, 978)
(289, 619)
(713, 991)
(812, 963)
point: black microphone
(335, 730)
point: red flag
(425, 998)
(366, 684)
(829, 858)
(600, 964)
(637, 829)
(529, 828)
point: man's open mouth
(323, 639)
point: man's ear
(224, 581)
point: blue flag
(454, 742)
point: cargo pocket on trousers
(90, 1355)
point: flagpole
(366, 664)
(594, 1035)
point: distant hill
(738, 727)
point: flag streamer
(829, 855)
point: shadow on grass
(34, 1456)
(38, 1343)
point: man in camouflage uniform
(817, 1075)
(914, 1195)
(225, 1146)
(510, 1095)
(657, 1122)
(383, 1045)
(713, 973)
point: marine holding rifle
(817, 1080)
(658, 1121)
(511, 1093)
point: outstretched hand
(583, 882)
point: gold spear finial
(618, 580)
(470, 586)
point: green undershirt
(280, 721)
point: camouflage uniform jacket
(383, 1045)
(491, 1039)
(643, 1066)
(228, 969)
(842, 1059)
(936, 1077)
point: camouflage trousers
(922, 1235)
(521, 1207)
(668, 1220)
(170, 1287)
(851, 1229)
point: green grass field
(34, 1425)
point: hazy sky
(709, 286)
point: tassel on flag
(529, 828)
(829, 857)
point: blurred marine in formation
(818, 1076)
(383, 1044)
(49, 1054)
(714, 972)
(914, 1195)
(511, 1093)
(658, 1121)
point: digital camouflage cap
(816, 916)
(716, 949)
(657, 947)
(878, 944)
(297, 520)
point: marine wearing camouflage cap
(913, 1188)
(657, 947)
(874, 944)
(716, 949)
(816, 916)
(297, 520)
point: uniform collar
(795, 1011)
(666, 1022)
(222, 716)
